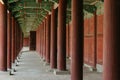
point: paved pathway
(31, 67)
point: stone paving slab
(31, 67)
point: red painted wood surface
(99, 39)
(26, 42)
(89, 43)
(89, 40)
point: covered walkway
(31, 67)
(86, 31)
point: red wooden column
(53, 39)
(13, 40)
(20, 39)
(67, 40)
(44, 46)
(37, 36)
(77, 40)
(37, 40)
(22, 36)
(3, 37)
(95, 40)
(48, 38)
(61, 47)
(70, 36)
(18, 29)
(111, 40)
(42, 37)
(41, 40)
(37, 43)
(9, 41)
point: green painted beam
(12, 1)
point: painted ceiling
(30, 13)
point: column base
(16, 62)
(99, 68)
(90, 68)
(59, 72)
(69, 58)
(10, 71)
(50, 70)
(13, 67)
(42, 59)
(46, 64)
(14, 70)
(18, 58)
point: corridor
(32, 67)
(63, 36)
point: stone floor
(31, 67)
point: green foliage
(90, 8)
(69, 3)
